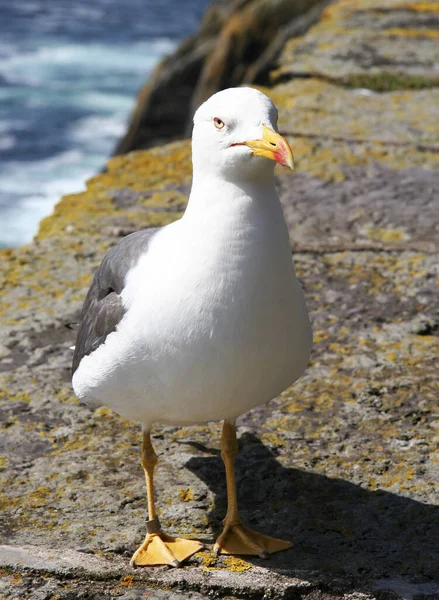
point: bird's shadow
(337, 528)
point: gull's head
(235, 135)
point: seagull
(203, 319)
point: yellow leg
(235, 537)
(159, 548)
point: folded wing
(103, 309)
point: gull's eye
(218, 123)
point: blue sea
(69, 74)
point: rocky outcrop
(237, 43)
(344, 463)
(381, 47)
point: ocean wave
(107, 102)
(28, 7)
(63, 80)
(7, 142)
(12, 125)
(22, 207)
(49, 61)
(69, 73)
(98, 133)
(24, 178)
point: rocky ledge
(345, 463)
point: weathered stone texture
(345, 463)
(389, 43)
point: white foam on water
(35, 188)
(100, 101)
(50, 60)
(72, 76)
(98, 133)
(87, 12)
(11, 125)
(7, 142)
(28, 7)
(19, 177)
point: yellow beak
(273, 146)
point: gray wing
(103, 310)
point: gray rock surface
(391, 44)
(344, 464)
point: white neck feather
(217, 198)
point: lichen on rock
(344, 463)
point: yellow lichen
(103, 411)
(273, 439)
(413, 33)
(17, 397)
(66, 396)
(7, 502)
(235, 564)
(186, 494)
(208, 559)
(127, 581)
(418, 6)
(387, 234)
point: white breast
(216, 322)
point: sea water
(69, 74)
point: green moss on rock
(389, 82)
